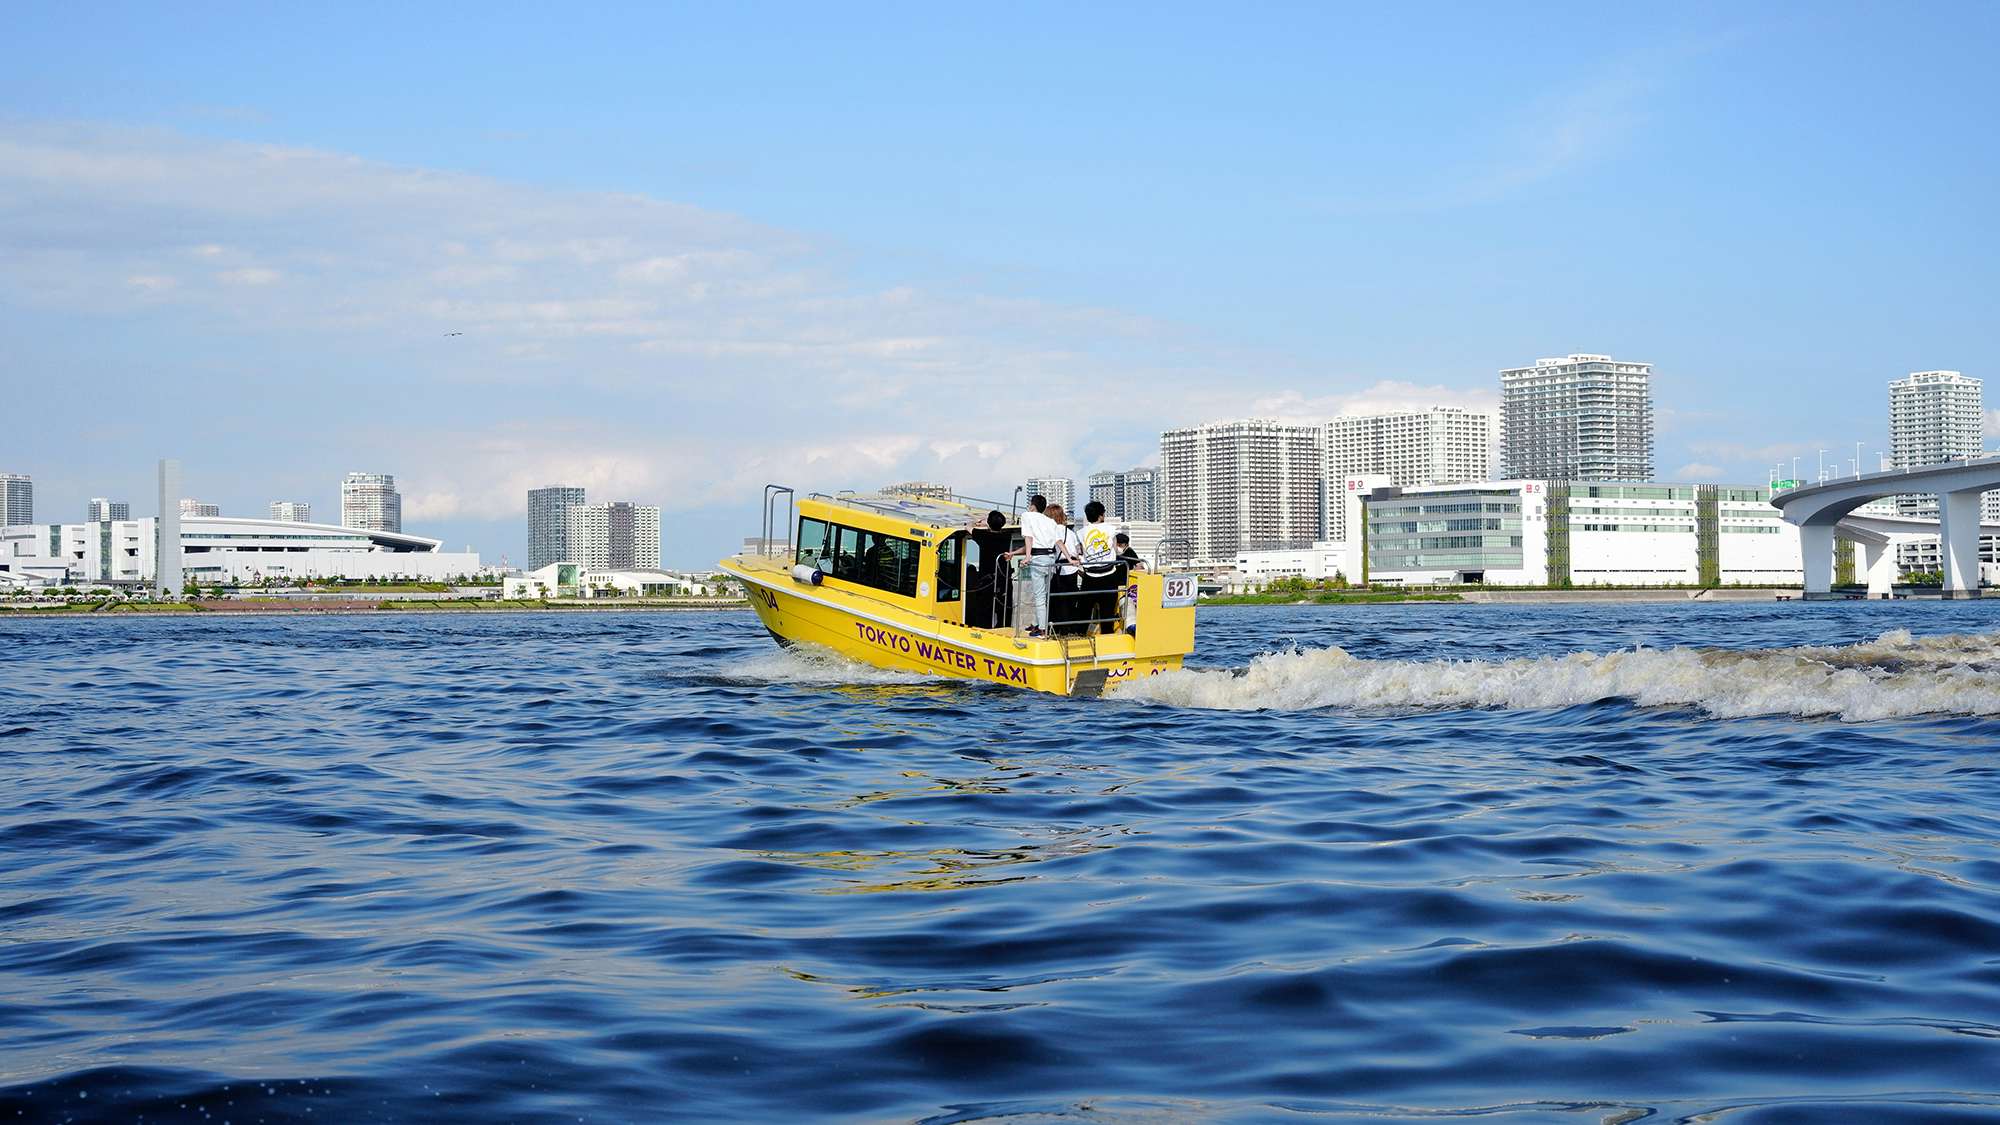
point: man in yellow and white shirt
(1099, 559)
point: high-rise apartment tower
(548, 524)
(102, 510)
(1131, 495)
(1936, 416)
(291, 511)
(1058, 490)
(17, 499)
(1239, 486)
(1442, 445)
(620, 536)
(1581, 417)
(370, 501)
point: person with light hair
(1040, 539)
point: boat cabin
(917, 552)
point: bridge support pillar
(1816, 558)
(1881, 561)
(1958, 542)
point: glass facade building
(548, 523)
(1468, 530)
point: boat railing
(1069, 614)
(772, 492)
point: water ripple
(1420, 862)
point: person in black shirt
(1128, 561)
(1127, 557)
(987, 586)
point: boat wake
(1891, 676)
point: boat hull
(886, 636)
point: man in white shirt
(1039, 539)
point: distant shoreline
(360, 607)
(1501, 596)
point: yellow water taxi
(896, 581)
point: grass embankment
(370, 589)
(464, 604)
(1330, 597)
(471, 604)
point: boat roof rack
(927, 511)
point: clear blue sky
(692, 249)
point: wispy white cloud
(639, 347)
(1585, 115)
(622, 295)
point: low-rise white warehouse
(226, 550)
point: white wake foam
(815, 665)
(1893, 675)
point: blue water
(608, 867)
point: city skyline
(210, 223)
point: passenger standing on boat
(1097, 553)
(1128, 594)
(986, 587)
(1067, 608)
(1039, 540)
(1128, 559)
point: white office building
(17, 499)
(1240, 486)
(1133, 494)
(569, 580)
(1578, 417)
(225, 550)
(1255, 569)
(197, 508)
(291, 511)
(618, 536)
(1058, 490)
(369, 501)
(1442, 445)
(101, 509)
(1557, 533)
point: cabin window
(846, 554)
(889, 563)
(812, 544)
(950, 556)
(870, 558)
